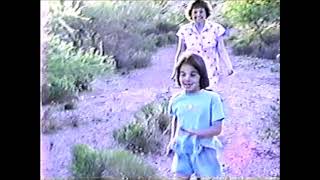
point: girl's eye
(183, 74)
(201, 12)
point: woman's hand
(230, 72)
(173, 74)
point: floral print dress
(208, 44)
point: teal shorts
(203, 163)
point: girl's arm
(181, 47)
(173, 135)
(173, 129)
(214, 130)
(223, 54)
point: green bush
(257, 14)
(70, 70)
(126, 165)
(146, 132)
(249, 44)
(88, 163)
(258, 23)
(133, 136)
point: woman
(204, 38)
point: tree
(256, 15)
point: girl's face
(198, 14)
(189, 78)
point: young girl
(205, 38)
(197, 120)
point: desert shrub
(146, 132)
(133, 136)
(70, 70)
(52, 121)
(88, 163)
(49, 125)
(121, 29)
(268, 131)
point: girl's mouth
(187, 85)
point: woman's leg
(213, 76)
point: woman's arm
(181, 47)
(223, 54)
(214, 130)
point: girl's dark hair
(198, 4)
(197, 62)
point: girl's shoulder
(211, 94)
(176, 96)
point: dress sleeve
(181, 32)
(220, 31)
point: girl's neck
(192, 92)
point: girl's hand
(191, 132)
(169, 147)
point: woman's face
(198, 14)
(189, 78)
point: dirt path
(247, 96)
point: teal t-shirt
(196, 111)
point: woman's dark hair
(197, 62)
(198, 4)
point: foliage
(247, 43)
(128, 30)
(88, 163)
(70, 70)
(259, 23)
(146, 132)
(253, 12)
